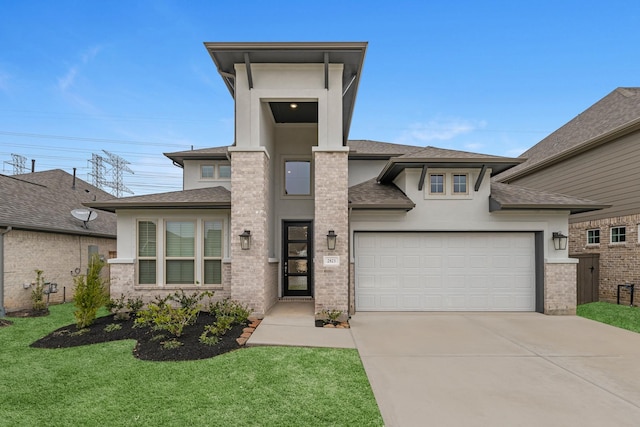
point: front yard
(622, 316)
(103, 384)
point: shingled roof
(201, 198)
(371, 195)
(513, 197)
(43, 201)
(201, 154)
(371, 150)
(614, 114)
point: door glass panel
(298, 266)
(297, 249)
(297, 233)
(298, 283)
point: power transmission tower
(19, 164)
(97, 171)
(118, 165)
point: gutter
(3, 312)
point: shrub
(230, 308)
(171, 344)
(189, 301)
(124, 310)
(37, 293)
(165, 317)
(112, 327)
(89, 294)
(330, 316)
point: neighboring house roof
(351, 54)
(432, 157)
(213, 153)
(201, 198)
(43, 201)
(371, 195)
(514, 197)
(374, 150)
(614, 115)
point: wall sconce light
(245, 240)
(559, 241)
(331, 240)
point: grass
(104, 384)
(622, 316)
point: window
(297, 177)
(224, 171)
(618, 234)
(459, 183)
(212, 252)
(147, 252)
(436, 184)
(180, 252)
(593, 237)
(206, 171)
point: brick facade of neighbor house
(331, 213)
(560, 288)
(618, 261)
(26, 250)
(251, 273)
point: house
(39, 232)
(595, 155)
(293, 209)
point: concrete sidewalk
(499, 369)
(293, 324)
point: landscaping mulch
(149, 344)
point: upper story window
(618, 234)
(436, 183)
(593, 237)
(297, 177)
(215, 171)
(460, 183)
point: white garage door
(444, 271)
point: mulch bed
(148, 346)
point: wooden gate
(588, 277)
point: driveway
(499, 369)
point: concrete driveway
(499, 369)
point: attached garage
(438, 271)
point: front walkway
(293, 324)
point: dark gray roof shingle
(44, 200)
(509, 196)
(619, 108)
(371, 195)
(211, 198)
(374, 149)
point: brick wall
(618, 262)
(57, 255)
(331, 213)
(250, 270)
(560, 288)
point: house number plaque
(331, 261)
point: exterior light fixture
(559, 241)
(293, 105)
(245, 240)
(331, 240)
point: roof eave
(158, 205)
(495, 206)
(396, 165)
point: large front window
(180, 252)
(297, 177)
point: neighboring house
(294, 210)
(596, 155)
(39, 232)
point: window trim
(444, 184)
(167, 257)
(146, 258)
(589, 243)
(216, 171)
(453, 184)
(206, 258)
(624, 234)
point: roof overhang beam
(480, 178)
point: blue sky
(133, 78)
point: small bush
(230, 308)
(330, 316)
(212, 333)
(167, 318)
(189, 301)
(171, 344)
(112, 327)
(37, 293)
(89, 294)
(124, 310)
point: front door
(297, 256)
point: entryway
(297, 255)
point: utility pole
(19, 164)
(118, 167)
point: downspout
(2, 309)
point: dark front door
(588, 277)
(297, 255)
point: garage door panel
(439, 271)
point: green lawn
(104, 385)
(622, 316)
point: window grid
(436, 183)
(179, 252)
(618, 234)
(593, 237)
(459, 183)
(147, 257)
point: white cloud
(439, 129)
(66, 82)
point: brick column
(560, 288)
(249, 205)
(331, 213)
